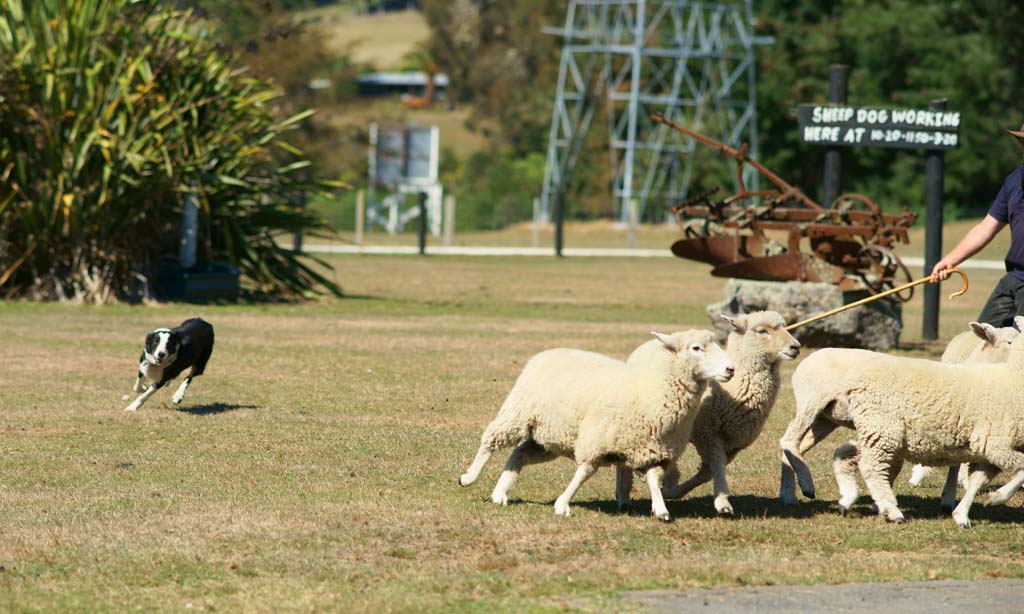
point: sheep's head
(762, 333)
(700, 348)
(997, 341)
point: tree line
(901, 53)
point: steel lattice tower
(692, 61)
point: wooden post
(300, 199)
(631, 234)
(423, 223)
(837, 74)
(449, 219)
(360, 215)
(933, 187)
(559, 204)
(189, 231)
(535, 226)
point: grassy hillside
(378, 39)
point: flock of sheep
(639, 415)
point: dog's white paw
(132, 407)
(176, 399)
(125, 397)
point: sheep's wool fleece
(961, 346)
(937, 413)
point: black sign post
(933, 179)
(934, 129)
(837, 74)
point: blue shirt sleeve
(1000, 208)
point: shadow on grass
(745, 506)
(915, 507)
(213, 408)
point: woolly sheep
(983, 343)
(600, 411)
(821, 408)
(732, 414)
(933, 413)
(973, 345)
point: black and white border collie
(167, 353)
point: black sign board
(874, 127)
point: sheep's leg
(583, 473)
(978, 475)
(876, 469)
(820, 429)
(787, 482)
(671, 478)
(623, 486)
(1003, 494)
(702, 476)
(717, 459)
(654, 476)
(528, 452)
(1007, 460)
(482, 456)
(894, 470)
(844, 465)
(803, 432)
(498, 434)
(918, 474)
(948, 500)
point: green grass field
(313, 467)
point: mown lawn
(313, 467)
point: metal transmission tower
(691, 61)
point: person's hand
(941, 270)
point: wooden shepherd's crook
(963, 276)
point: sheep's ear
(1018, 322)
(739, 324)
(666, 340)
(983, 331)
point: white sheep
(600, 411)
(732, 414)
(820, 407)
(983, 343)
(934, 413)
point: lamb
(933, 413)
(820, 407)
(600, 411)
(983, 343)
(731, 415)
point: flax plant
(111, 112)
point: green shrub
(497, 189)
(110, 112)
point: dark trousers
(1006, 301)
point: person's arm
(975, 239)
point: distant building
(384, 6)
(388, 83)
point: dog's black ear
(173, 342)
(151, 341)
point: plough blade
(719, 249)
(782, 267)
